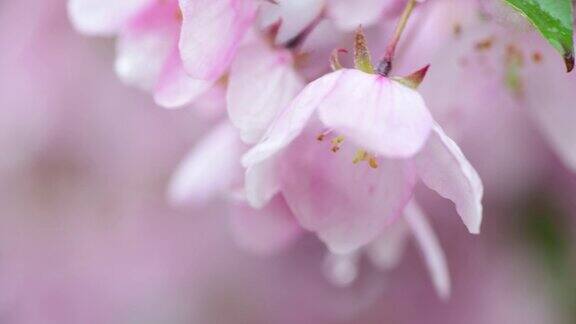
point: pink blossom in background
(291, 187)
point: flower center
(336, 144)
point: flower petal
(292, 120)
(347, 205)
(209, 169)
(103, 17)
(386, 251)
(262, 82)
(444, 168)
(378, 114)
(266, 231)
(341, 269)
(262, 183)
(294, 16)
(430, 247)
(144, 45)
(211, 32)
(175, 88)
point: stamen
(373, 162)
(337, 143)
(361, 155)
(322, 136)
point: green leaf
(554, 20)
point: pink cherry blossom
(344, 201)
(212, 170)
(147, 50)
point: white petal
(292, 120)
(262, 183)
(341, 269)
(211, 33)
(294, 16)
(209, 169)
(378, 114)
(430, 247)
(145, 44)
(175, 88)
(347, 205)
(262, 82)
(103, 17)
(443, 167)
(140, 59)
(386, 251)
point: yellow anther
(361, 155)
(337, 143)
(373, 162)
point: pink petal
(347, 205)
(266, 231)
(211, 32)
(378, 114)
(386, 251)
(262, 81)
(209, 169)
(430, 247)
(443, 168)
(292, 120)
(175, 88)
(341, 269)
(294, 16)
(103, 17)
(262, 183)
(145, 43)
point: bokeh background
(86, 235)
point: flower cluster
(308, 145)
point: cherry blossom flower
(212, 170)
(370, 118)
(148, 35)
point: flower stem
(385, 65)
